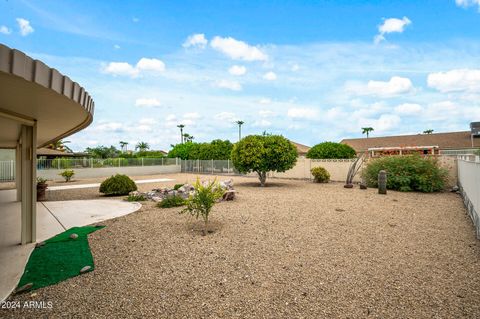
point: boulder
(229, 195)
(85, 269)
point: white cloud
(153, 65)
(135, 19)
(192, 116)
(238, 50)
(197, 40)
(302, 113)
(116, 46)
(147, 102)
(385, 122)
(395, 86)
(24, 26)
(408, 108)
(389, 26)
(5, 30)
(265, 101)
(121, 68)
(455, 80)
(170, 117)
(295, 67)
(468, 3)
(147, 121)
(262, 123)
(266, 113)
(237, 70)
(147, 65)
(227, 84)
(270, 76)
(226, 116)
(108, 127)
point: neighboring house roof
(43, 151)
(445, 141)
(301, 149)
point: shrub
(171, 201)
(118, 185)
(136, 198)
(67, 174)
(331, 150)
(202, 201)
(262, 154)
(407, 173)
(320, 174)
(177, 186)
(41, 180)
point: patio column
(28, 182)
(18, 170)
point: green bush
(118, 185)
(136, 198)
(171, 201)
(320, 174)
(61, 163)
(331, 150)
(202, 201)
(177, 186)
(407, 173)
(67, 174)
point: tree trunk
(262, 176)
(205, 230)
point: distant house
(48, 153)
(452, 143)
(301, 149)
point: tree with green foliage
(262, 154)
(327, 150)
(367, 130)
(103, 151)
(429, 131)
(216, 150)
(142, 146)
(183, 150)
(60, 145)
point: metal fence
(7, 168)
(7, 171)
(220, 167)
(469, 182)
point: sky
(311, 71)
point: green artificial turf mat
(60, 258)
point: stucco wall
(52, 174)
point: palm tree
(187, 137)
(429, 131)
(123, 145)
(181, 126)
(60, 146)
(367, 130)
(240, 123)
(142, 146)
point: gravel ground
(293, 249)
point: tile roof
(451, 140)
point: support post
(18, 170)
(382, 182)
(29, 183)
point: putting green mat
(60, 258)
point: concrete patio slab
(52, 219)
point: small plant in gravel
(201, 202)
(67, 174)
(177, 186)
(320, 175)
(136, 198)
(118, 185)
(171, 201)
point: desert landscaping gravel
(293, 249)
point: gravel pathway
(293, 249)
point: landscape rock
(455, 189)
(24, 288)
(73, 236)
(229, 195)
(40, 244)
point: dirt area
(293, 249)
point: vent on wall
(475, 129)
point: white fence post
(212, 166)
(142, 161)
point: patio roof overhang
(31, 92)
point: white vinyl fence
(469, 183)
